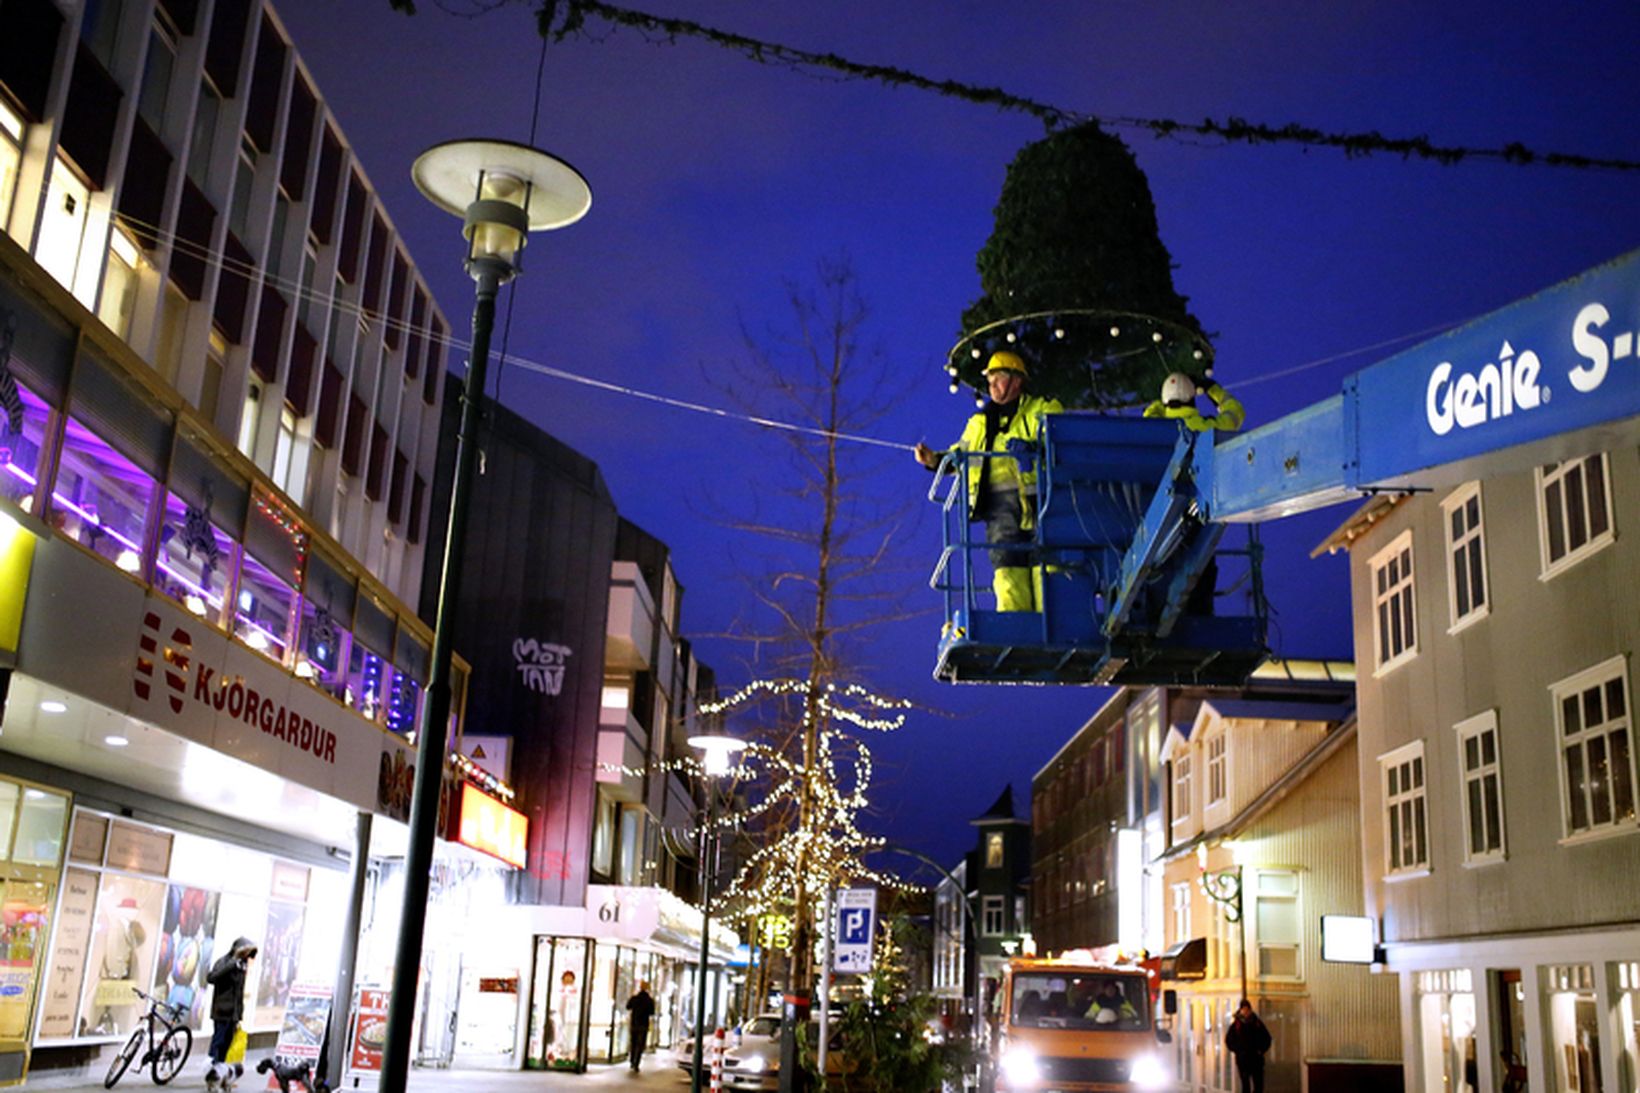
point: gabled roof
(1374, 509)
(1257, 709)
(1002, 812)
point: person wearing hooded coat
(227, 980)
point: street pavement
(660, 1072)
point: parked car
(763, 1027)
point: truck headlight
(1019, 1066)
(1148, 1073)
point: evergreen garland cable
(561, 19)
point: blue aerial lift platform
(1132, 511)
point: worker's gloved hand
(1156, 409)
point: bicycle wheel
(116, 1067)
(173, 1052)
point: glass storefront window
(41, 821)
(22, 453)
(1574, 1028)
(1446, 1012)
(196, 558)
(265, 610)
(328, 597)
(270, 573)
(366, 680)
(1625, 978)
(100, 498)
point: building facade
(221, 380)
(1264, 823)
(1496, 625)
(581, 680)
(1099, 812)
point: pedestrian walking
(227, 980)
(1247, 1039)
(642, 1008)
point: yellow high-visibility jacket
(1007, 473)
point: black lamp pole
(503, 191)
(424, 804)
(705, 931)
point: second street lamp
(502, 191)
(717, 756)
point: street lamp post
(718, 754)
(503, 191)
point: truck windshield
(1090, 1000)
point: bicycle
(166, 1054)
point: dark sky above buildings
(716, 181)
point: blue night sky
(716, 181)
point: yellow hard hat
(1004, 361)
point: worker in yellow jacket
(1002, 491)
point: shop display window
(325, 651)
(1574, 1027)
(1446, 1008)
(269, 575)
(327, 612)
(405, 682)
(366, 681)
(124, 944)
(22, 453)
(264, 610)
(100, 499)
(196, 559)
(1625, 979)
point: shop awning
(1186, 960)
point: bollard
(717, 1061)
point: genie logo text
(1516, 381)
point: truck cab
(1069, 1025)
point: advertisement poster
(369, 1031)
(302, 1036)
(184, 956)
(62, 987)
(276, 973)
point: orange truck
(1073, 1024)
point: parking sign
(854, 926)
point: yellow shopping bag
(236, 1049)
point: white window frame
(1471, 541)
(1550, 475)
(1262, 944)
(1181, 912)
(1405, 803)
(1399, 593)
(1478, 776)
(1217, 747)
(993, 916)
(1601, 676)
(1183, 801)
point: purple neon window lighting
(21, 455)
(403, 702)
(366, 681)
(186, 571)
(100, 499)
(265, 610)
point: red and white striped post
(718, 1045)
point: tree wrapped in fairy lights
(822, 572)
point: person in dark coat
(227, 980)
(1247, 1039)
(642, 1008)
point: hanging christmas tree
(1076, 280)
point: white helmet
(1178, 390)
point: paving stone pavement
(660, 1072)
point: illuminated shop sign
(491, 827)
